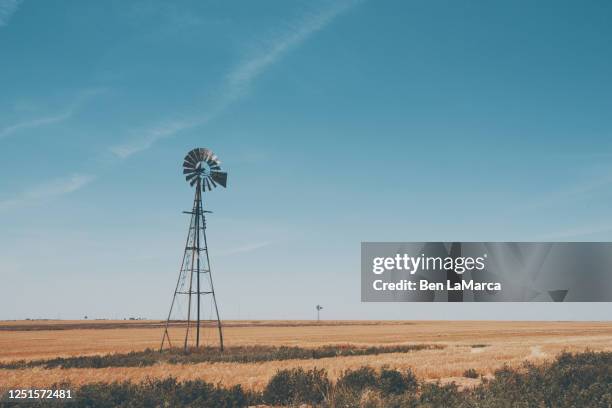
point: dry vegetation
(483, 346)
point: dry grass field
(498, 343)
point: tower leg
(194, 230)
(198, 272)
(189, 293)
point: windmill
(319, 308)
(202, 170)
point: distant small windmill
(319, 308)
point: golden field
(506, 343)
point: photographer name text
(424, 284)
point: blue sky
(338, 122)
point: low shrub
(297, 386)
(391, 382)
(343, 396)
(358, 380)
(387, 381)
(572, 380)
(410, 378)
(437, 395)
(471, 373)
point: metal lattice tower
(203, 171)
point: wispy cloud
(36, 122)
(48, 190)
(149, 136)
(244, 248)
(7, 9)
(238, 81)
(241, 77)
(50, 119)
